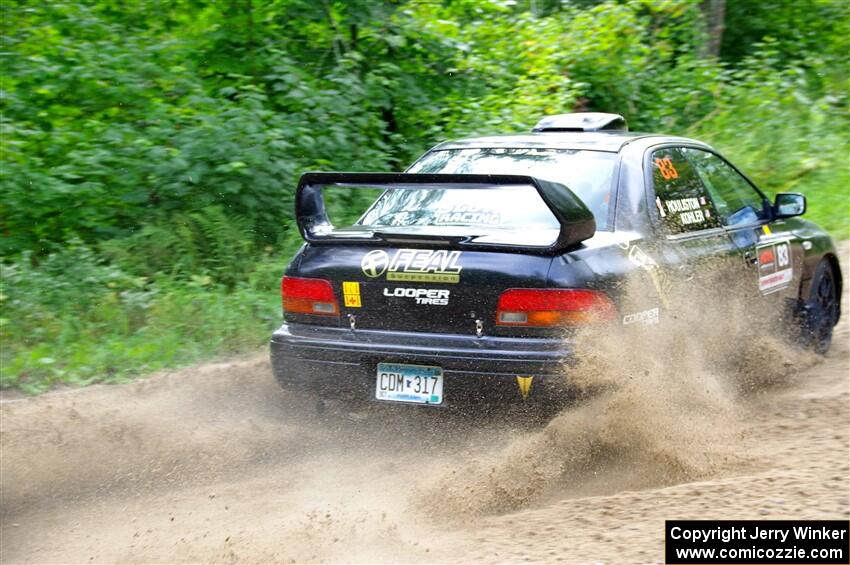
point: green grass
(91, 322)
(115, 340)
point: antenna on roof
(582, 121)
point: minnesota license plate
(418, 384)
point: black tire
(820, 311)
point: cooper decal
(413, 265)
(775, 271)
(432, 296)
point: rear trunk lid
(434, 252)
(420, 289)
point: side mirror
(789, 204)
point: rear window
(589, 174)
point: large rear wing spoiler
(576, 221)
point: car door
(771, 254)
(698, 252)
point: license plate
(418, 384)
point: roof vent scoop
(583, 121)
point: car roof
(594, 141)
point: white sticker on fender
(775, 270)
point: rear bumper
(335, 360)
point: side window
(682, 202)
(735, 199)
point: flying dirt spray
(662, 407)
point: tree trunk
(714, 12)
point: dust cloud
(217, 464)
(657, 405)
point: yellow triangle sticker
(524, 384)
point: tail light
(532, 307)
(308, 296)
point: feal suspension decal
(415, 265)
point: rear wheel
(820, 310)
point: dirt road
(216, 464)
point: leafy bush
(786, 136)
(207, 244)
(151, 149)
(77, 319)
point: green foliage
(207, 244)
(797, 29)
(77, 319)
(151, 149)
(106, 132)
(786, 137)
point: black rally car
(462, 275)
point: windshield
(589, 174)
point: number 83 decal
(782, 258)
(666, 168)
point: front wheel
(820, 311)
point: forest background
(150, 149)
